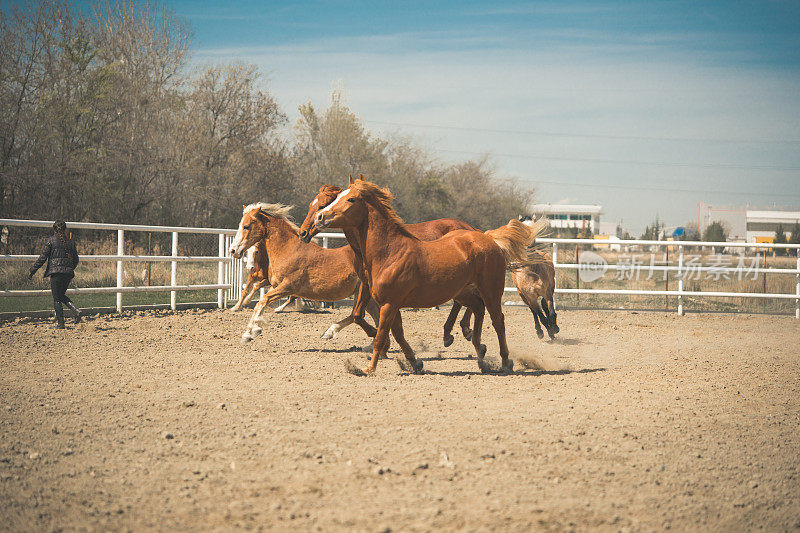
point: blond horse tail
(518, 242)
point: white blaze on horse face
(315, 202)
(251, 258)
(319, 217)
(333, 203)
(237, 240)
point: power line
(591, 136)
(659, 189)
(630, 162)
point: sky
(643, 107)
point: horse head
(252, 228)
(328, 194)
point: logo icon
(591, 266)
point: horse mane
(331, 190)
(381, 198)
(275, 210)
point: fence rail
(228, 284)
(231, 274)
(681, 269)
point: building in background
(575, 218)
(747, 225)
(762, 225)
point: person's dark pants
(58, 286)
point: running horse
(538, 281)
(257, 265)
(295, 268)
(533, 280)
(405, 271)
(425, 231)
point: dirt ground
(165, 421)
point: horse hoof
(329, 334)
(255, 332)
(484, 367)
(418, 366)
(246, 339)
(508, 366)
(556, 329)
(353, 369)
(540, 333)
(404, 364)
(448, 340)
(467, 334)
(481, 351)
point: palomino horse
(538, 281)
(295, 268)
(404, 271)
(257, 265)
(425, 231)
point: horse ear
(350, 176)
(262, 214)
(361, 177)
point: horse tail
(518, 242)
(513, 239)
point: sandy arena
(169, 423)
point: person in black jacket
(62, 258)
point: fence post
(555, 273)
(680, 280)
(577, 277)
(230, 273)
(326, 304)
(120, 253)
(797, 288)
(666, 278)
(173, 280)
(220, 269)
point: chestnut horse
(257, 265)
(425, 231)
(405, 271)
(305, 270)
(532, 281)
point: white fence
(231, 274)
(681, 269)
(229, 270)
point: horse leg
(491, 290)
(551, 315)
(245, 296)
(465, 324)
(256, 286)
(533, 305)
(381, 344)
(253, 327)
(362, 303)
(283, 306)
(333, 331)
(494, 306)
(373, 310)
(450, 322)
(410, 363)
